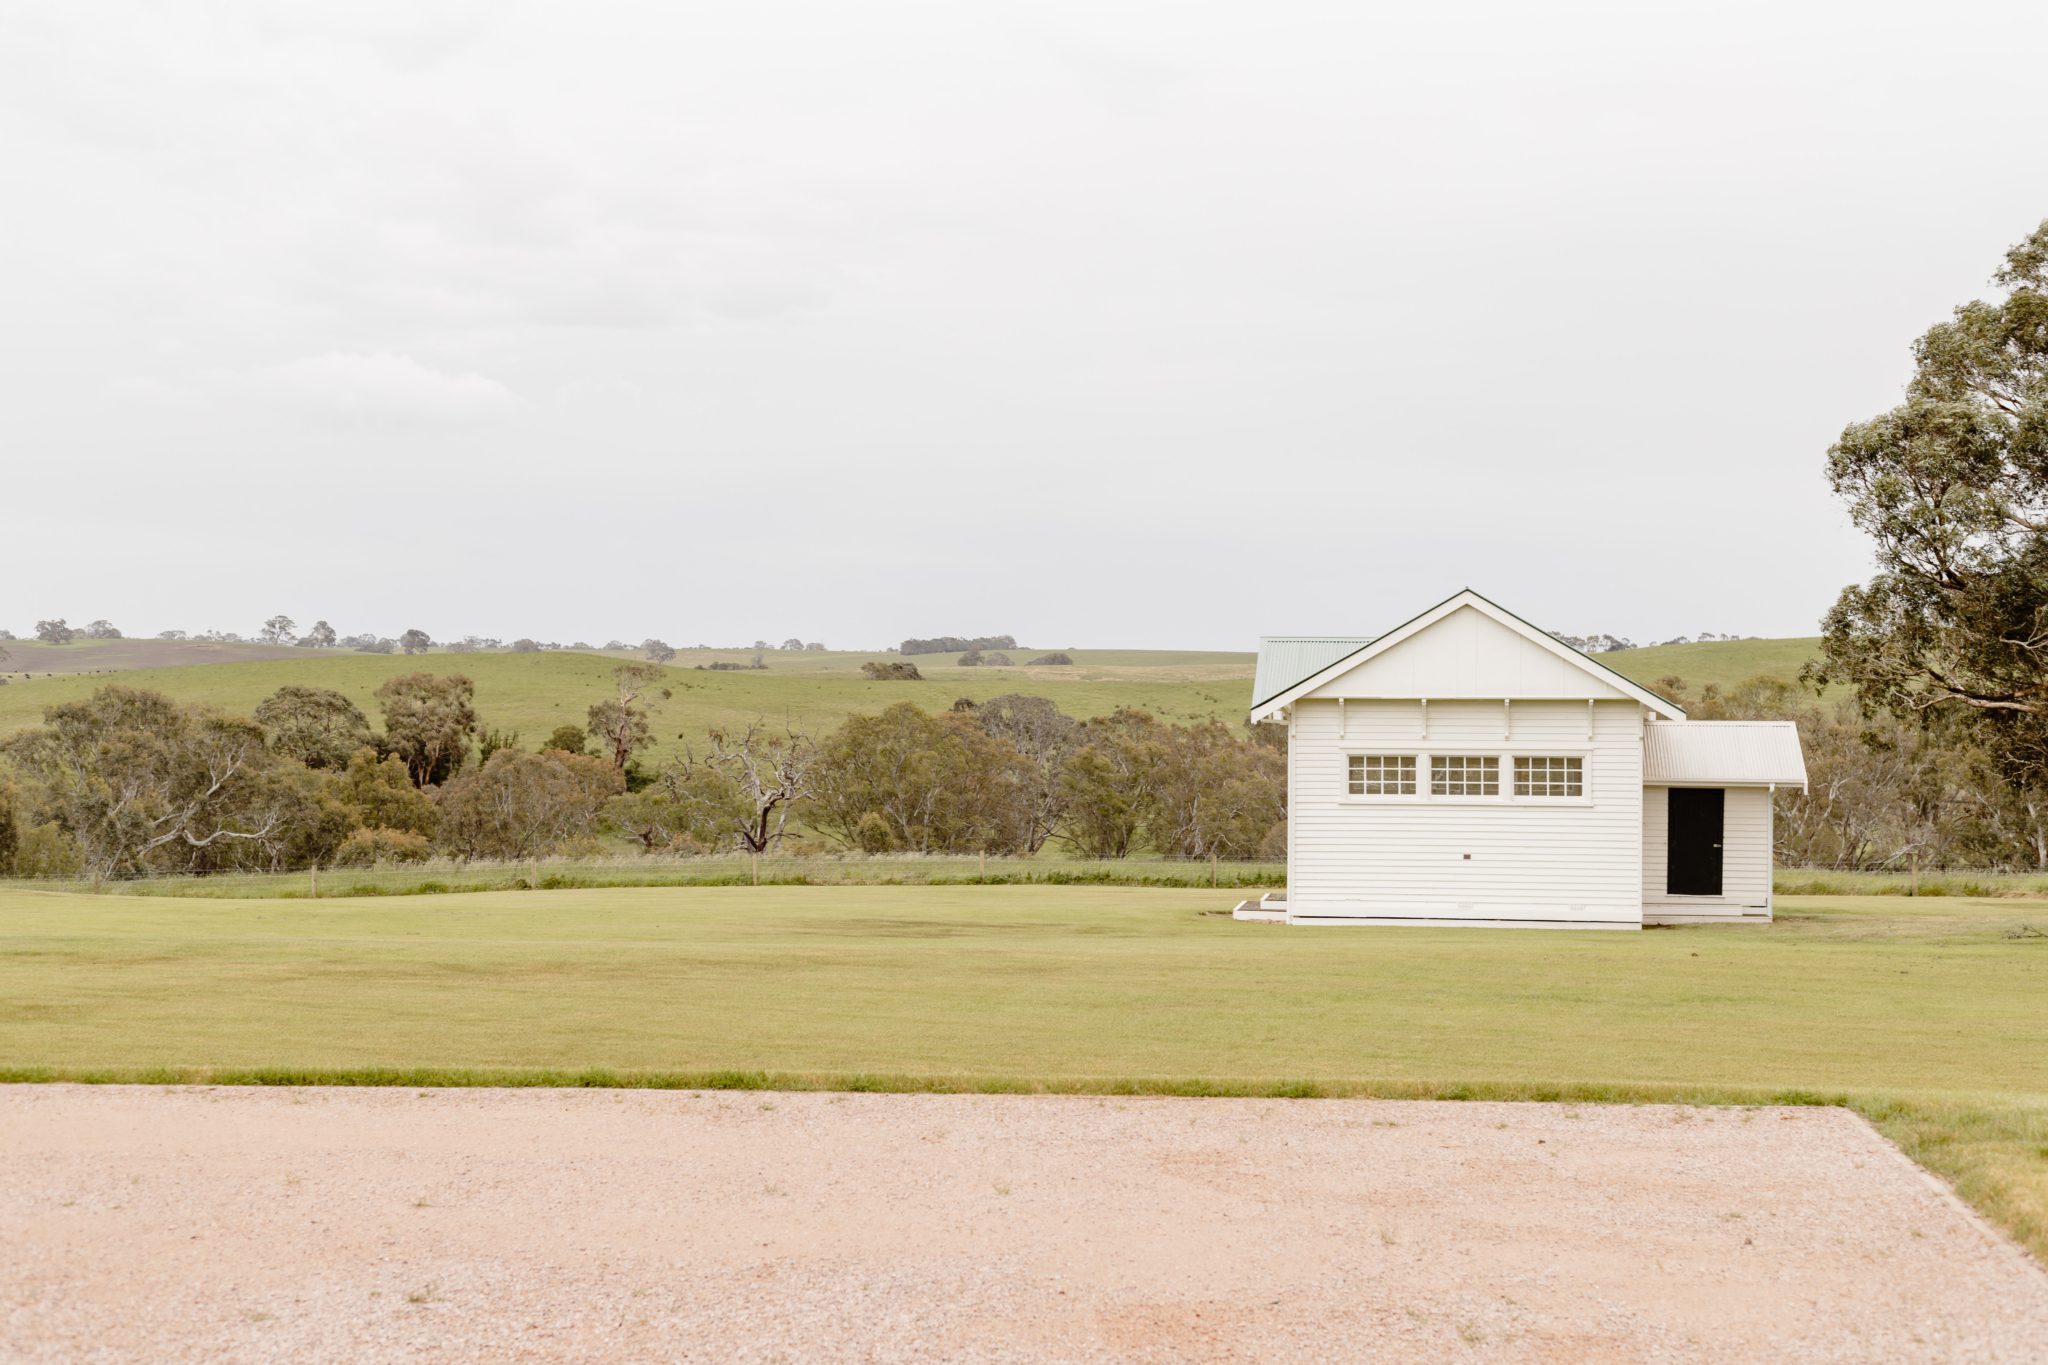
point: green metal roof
(1285, 660)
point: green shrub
(369, 847)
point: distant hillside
(534, 693)
(99, 656)
(1724, 662)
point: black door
(1692, 863)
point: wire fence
(443, 875)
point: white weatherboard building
(1467, 768)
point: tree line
(128, 782)
(283, 630)
(956, 644)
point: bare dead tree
(772, 772)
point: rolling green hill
(107, 656)
(1722, 662)
(533, 693)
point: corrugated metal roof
(1285, 660)
(1732, 751)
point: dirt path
(321, 1224)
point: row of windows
(1467, 775)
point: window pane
(1382, 774)
(1464, 775)
(1550, 775)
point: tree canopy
(428, 722)
(141, 783)
(319, 727)
(1952, 485)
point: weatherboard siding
(1405, 858)
(1746, 857)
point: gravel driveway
(326, 1224)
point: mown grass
(1926, 1015)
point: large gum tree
(1952, 485)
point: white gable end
(1469, 655)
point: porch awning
(1733, 753)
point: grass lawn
(1929, 1015)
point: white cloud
(381, 389)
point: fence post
(316, 881)
(1212, 869)
(757, 864)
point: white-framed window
(1550, 775)
(1381, 775)
(1464, 775)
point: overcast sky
(1100, 324)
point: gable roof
(1272, 690)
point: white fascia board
(1468, 598)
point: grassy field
(1723, 662)
(832, 868)
(1797, 881)
(533, 693)
(1924, 1014)
(34, 658)
(447, 875)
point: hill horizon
(533, 692)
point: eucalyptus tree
(317, 726)
(1952, 485)
(621, 725)
(429, 722)
(138, 780)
